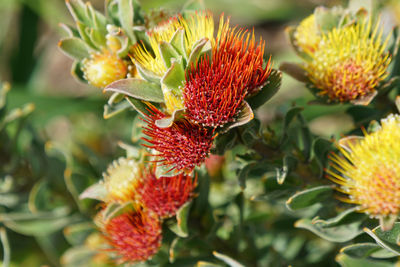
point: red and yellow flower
(165, 195)
(214, 91)
(134, 236)
(181, 147)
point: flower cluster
(205, 81)
(190, 85)
(134, 234)
(346, 62)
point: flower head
(307, 35)
(104, 68)
(134, 236)
(349, 62)
(165, 195)
(214, 91)
(369, 170)
(122, 179)
(197, 26)
(183, 146)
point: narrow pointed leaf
(168, 53)
(389, 240)
(268, 91)
(126, 16)
(178, 42)
(137, 88)
(228, 260)
(244, 116)
(180, 228)
(200, 48)
(74, 48)
(96, 191)
(309, 197)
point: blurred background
(69, 113)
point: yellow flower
(369, 170)
(122, 179)
(197, 26)
(104, 68)
(349, 62)
(307, 35)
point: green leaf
(77, 9)
(115, 105)
(168, 121)
(364, 250)
(180, 228)
(342, 233)
(207, 264)
(174, 79)
(146, 74)
(327, 18)
(228, 260)
(224, 142)
(126, 17)
(347, 261)
(345, 217)
(178, 42)
(40, 226)
(6, 247)
(114, 210)
(138, 105)
(78, 256)
(295, 71)
(309, 197)
(69, 31)
(201, 47)
(290, 115)
(321, 147)
(137, 88)
(97, 38)
(76, 71)
(244, 115)
(389, 240)
(74, 48)
(172, 249)
(39, 197)
(76, 234)
(96, 191)
(168, 53)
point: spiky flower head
(197, 26)
(122, 179)
(214, 91)
(307, 36)
(134, 236)
(182, 147)
(349, 63)
(165, 195)
(104, 68)
(369, 170)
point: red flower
(166, 195)
(182, 146)
(134, 236)
(214, 92)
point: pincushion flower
(180, 147)
(104, 68)
(122, 179)
(215, 90)
(307, 35)
(342, 63)
(350, 62)
(369, 170)
(197, 26)
(165, 195)
(134, 236)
